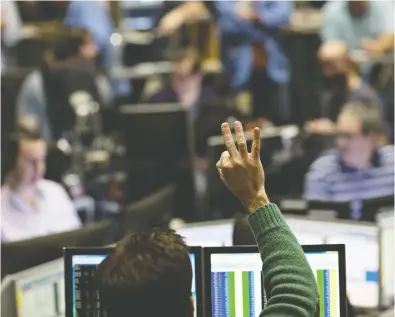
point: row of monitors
(227, 280)
(39, 292)
(369, 250)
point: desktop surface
(362, 253)
(82, 294)
(235, 286)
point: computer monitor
(37, 292)
(234, 284)
(362, 253)
(159, 150)
(385, 221)
(82, 298)
(208, 234)
(22, 255)
(365, 209)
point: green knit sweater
(290, 285)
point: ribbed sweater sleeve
(290, 285)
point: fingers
(224, 161)
(228, 139)
(240, 139)
(256, 144)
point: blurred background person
(31, 206)
(341, 84)
(246, 28)
(364, 25)
(74, 50)
(186, 83)
(94, 16)
(11, 25)
(361, 167)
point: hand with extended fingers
(241, 171)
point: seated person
(74, 50)
(30, 205)
(94, 16)
(185, 83)
(360, 168)
(246, 28)
(154, 267)
(341, 84)
(11, 25)
(363, 25)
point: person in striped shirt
(360, 167)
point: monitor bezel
(382, 213)
(339, 248)
(69, 252)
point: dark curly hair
(148, 274)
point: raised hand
(241, 171)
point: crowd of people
(357, 40)
(255, 63)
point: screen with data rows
(85, 297)
(237, 284)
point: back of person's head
(74, 42)
(242, 234)
(148, 274)
(335, 58)
(368, 115)
(11, 147)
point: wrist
(258, 201)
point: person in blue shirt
(242, 25)
(366, 26)
(94, 17)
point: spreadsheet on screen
(236, 284)
(86, 301)
(362, 254)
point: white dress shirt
(55, 213)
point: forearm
(192, 10)
(385, 42)
(289, 282)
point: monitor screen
(235, 284)
(325, 266)
(39, 291)
(362, 254)
(83, 295)
(385, 222)
(208, 234)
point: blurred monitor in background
(358, 168)
(21, 255)
(159, 151)
(31, 206)
(66, 68)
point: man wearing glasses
(360, 167)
